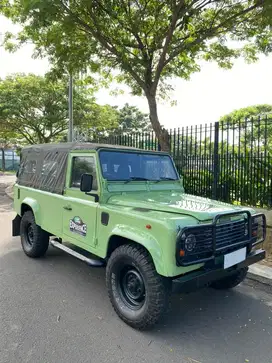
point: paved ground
(56, 310)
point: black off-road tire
(134, 259)
(231, 281)
(37, 245)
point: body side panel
(47, 207)
(160, 240)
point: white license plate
(233, 258)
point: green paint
(131, 207)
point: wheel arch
(118, 239)
(29, 204)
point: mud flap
(16, 226)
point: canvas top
(44, 166)
(70, 146)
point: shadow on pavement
(5, 201)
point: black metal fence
(229, 161)
(12, 160)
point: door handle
(67, 207)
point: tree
(132, 120)
(112, 121)
(4, 144)
(37, 108)
(253, 127)
(103, 121)
(247, 113)
(254, 124)
(147, 41)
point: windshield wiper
(136, 178)
(165, 178)
(139, 178)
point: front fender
(146, 240)
(33, 204)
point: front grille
(227, 233)
(230, 233)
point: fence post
(215, 161)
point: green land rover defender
(126, 209)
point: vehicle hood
(179, 203)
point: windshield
(136, 166)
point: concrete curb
(260, 273)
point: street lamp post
(71, 121)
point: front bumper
(212, 272)
(214, 250)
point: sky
(208, 95)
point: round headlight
(190, 243)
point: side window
(83, 165)
(27, 169)
(49, 168)
(30, 167)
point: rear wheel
(137, 292)
(34, 240)
(231, 281)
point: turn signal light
(182, 253)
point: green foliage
(255, 126)
(111, 121)
(8, 138)
(247, 113)
(103, 120)
(147, 42)
(37, 108)
(132, 120)
(143, 39)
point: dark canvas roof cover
(44, 166)
(70, 146)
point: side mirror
(86, 183)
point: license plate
(233, 258)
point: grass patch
(9, 172)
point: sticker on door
(78, 226)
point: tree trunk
(3, 159)
(161, 133)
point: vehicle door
(80, 209)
